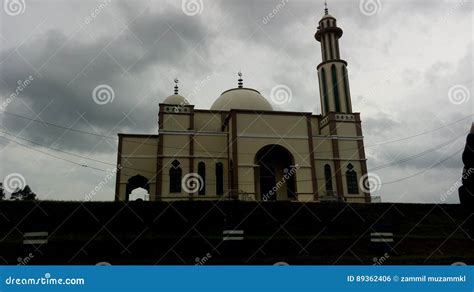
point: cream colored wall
(358, 169)
(210, 147)
(272, 125)
(210, 181)
(340, 85)
(322, 147)
(207, 121)
(319, 164)
(176, 144)
(315, 125)
(267, 130)
(248, 148)
(138, 157)
(346, 129)
(184, 165)
(178, 122)
(325, 130)
(348, 149)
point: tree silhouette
(2, 192)
(25, 194)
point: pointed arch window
(335, 88)
(202, 174)
(351, 180)
(328, 177)
(175, 175)
(325, 91)
(219, 179)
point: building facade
(242, 149)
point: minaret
(332, 71)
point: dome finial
(176, 85)
(326, 10)
(241, 81)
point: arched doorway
(135, 182)
(274, 175)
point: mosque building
(243, 149)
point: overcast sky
(410, 68)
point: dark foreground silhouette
(466, 191)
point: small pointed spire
(241, 81)
(176, 85)
(326, 10)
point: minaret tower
(332, 71)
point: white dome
(241, 98)
(327, 16)
(176, 99)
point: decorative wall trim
(272, 137)
(194, 133)
(339, 137)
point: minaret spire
(176, 85)
(332, 72)
(240, 81)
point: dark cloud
(402, 62)
(66, 71)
